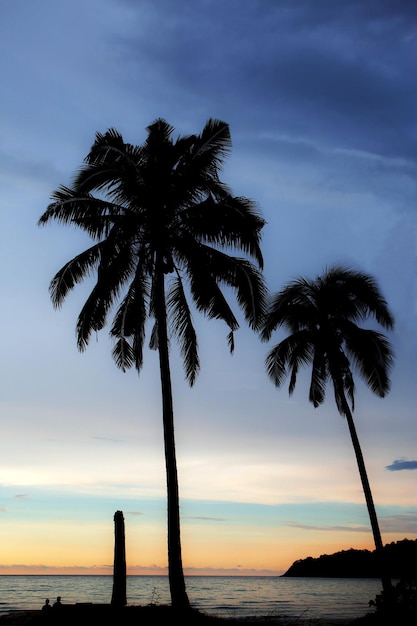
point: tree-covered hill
(401, 558)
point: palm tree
(165, 228)
(322, 317)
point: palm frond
(114, 269)
(209, 268)
(73, 273)
(129, 323)
(231, 341)
(276, 364)
(109, 161)
(373, 357)
(319, 378)
(232, 222)
(123, 354)
(250, 290)
(349, 385)
(153, 341)
(159, 131)
(356, 295)
(205, 287)
(287, 356)
(213, 144)
(93, 215)
(293, 307)
(181, 323)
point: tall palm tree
(165, 228)
(322, 317)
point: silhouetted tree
(321, 316)
(165, 228)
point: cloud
(40, 568)
(306, 61)
(401, 464)
(400, 523)
(354, 529)
(108, 439)
(405, 523)
(211, 519)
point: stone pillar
(119, 568)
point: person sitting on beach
(46, 606)
(58, 603)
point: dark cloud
(400, 464)
(340, 72)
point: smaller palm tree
(322, 316)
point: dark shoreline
(89, 614)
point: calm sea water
(225, 596)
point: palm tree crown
(165, 229)
(159, 209)
(322, 316)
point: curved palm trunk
(179, 598)
(385, 579)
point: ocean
(224, 596)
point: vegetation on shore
(400, 557)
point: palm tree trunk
(385, 579)
(179, 598)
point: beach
(85, 614)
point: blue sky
(321, 103)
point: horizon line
(107, 570)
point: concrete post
(119, 568)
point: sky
(321, 102)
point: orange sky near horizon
(255, 552)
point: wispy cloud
(401, 464)
(108, 439)
(210, 519)
(405, 523)
(353, 529)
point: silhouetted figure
(58, 603)
(119, 569)
(46, 606)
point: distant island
(401, 559)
